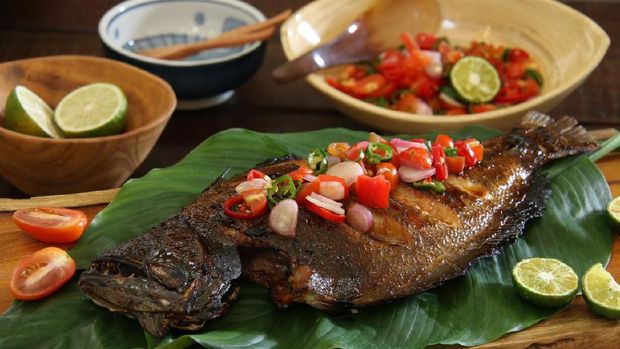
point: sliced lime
(93, 110)
(545, 282)
(602, 292)
(613, 210)
(27, 113)
(475, 79)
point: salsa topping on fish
(348, 251)
(368, 170)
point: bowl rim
(123, 7)
(163, 118)
(318, 82)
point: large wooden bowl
(566, 44)
(43, 166)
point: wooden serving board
(576, 327)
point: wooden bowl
(566, 44)
(44, 166)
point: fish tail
(558, 138)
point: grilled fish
(422, 240)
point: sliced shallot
(332, 190)
(283, 217)
(402, 145)
(410, 175)
(332, 160)
(256, 183)
(326, 203)
(359, 217)
(348, 170)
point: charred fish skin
(171, 277)
(419, 242)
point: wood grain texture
(68, 200)
(574, 328)
(42, 166)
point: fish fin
(154, 323)
(532, 206)
(558, 138)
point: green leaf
(476, 308)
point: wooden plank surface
(576, 327)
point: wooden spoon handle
(67, 200)
(236, 37)
(184, 50)
(270, 22)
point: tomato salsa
(419, 77)
(367, 171)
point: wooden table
(35, 28)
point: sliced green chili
(317, 161)
(450, 152)
(281, 188)
(435, 186)
(377, 152)
(505, 54)
(534, 74)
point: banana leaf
(473, 309)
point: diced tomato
(299, 173)
(41, 274)
(425, 87)
(416, 158)
(53, 225)
(352, 71)
(425, 41)
(356, 152)
(477, 147)
(320, 211)
(408, 42)
(456, 111)
(517, 91)
(391, 65)
(439, 162)
(369, 85)
(518, 55)
(254, 174)
(444, 140)
(481, 108)
(407, 102)
(389, 172)
(453, 56)
(456, 164)
(463, 149)
(514, 70)
(373, 191)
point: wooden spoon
(376, 30)
(239, 36)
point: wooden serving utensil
(239, 36)
(374, 31)
(66, 200)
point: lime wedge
(545, 282)
(475, 79)
(613, 210)
(601, 292)
(27, 113)
(93, 110)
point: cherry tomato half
(53, 225)
(41, 274)
(444, 140)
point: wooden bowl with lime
(77, 123)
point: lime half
(475, 79)
(27, 113)
(613, 209)
(93, 110)
(602, 292)
(545, 282)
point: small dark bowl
(202, 80)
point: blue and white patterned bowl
(202, 80)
